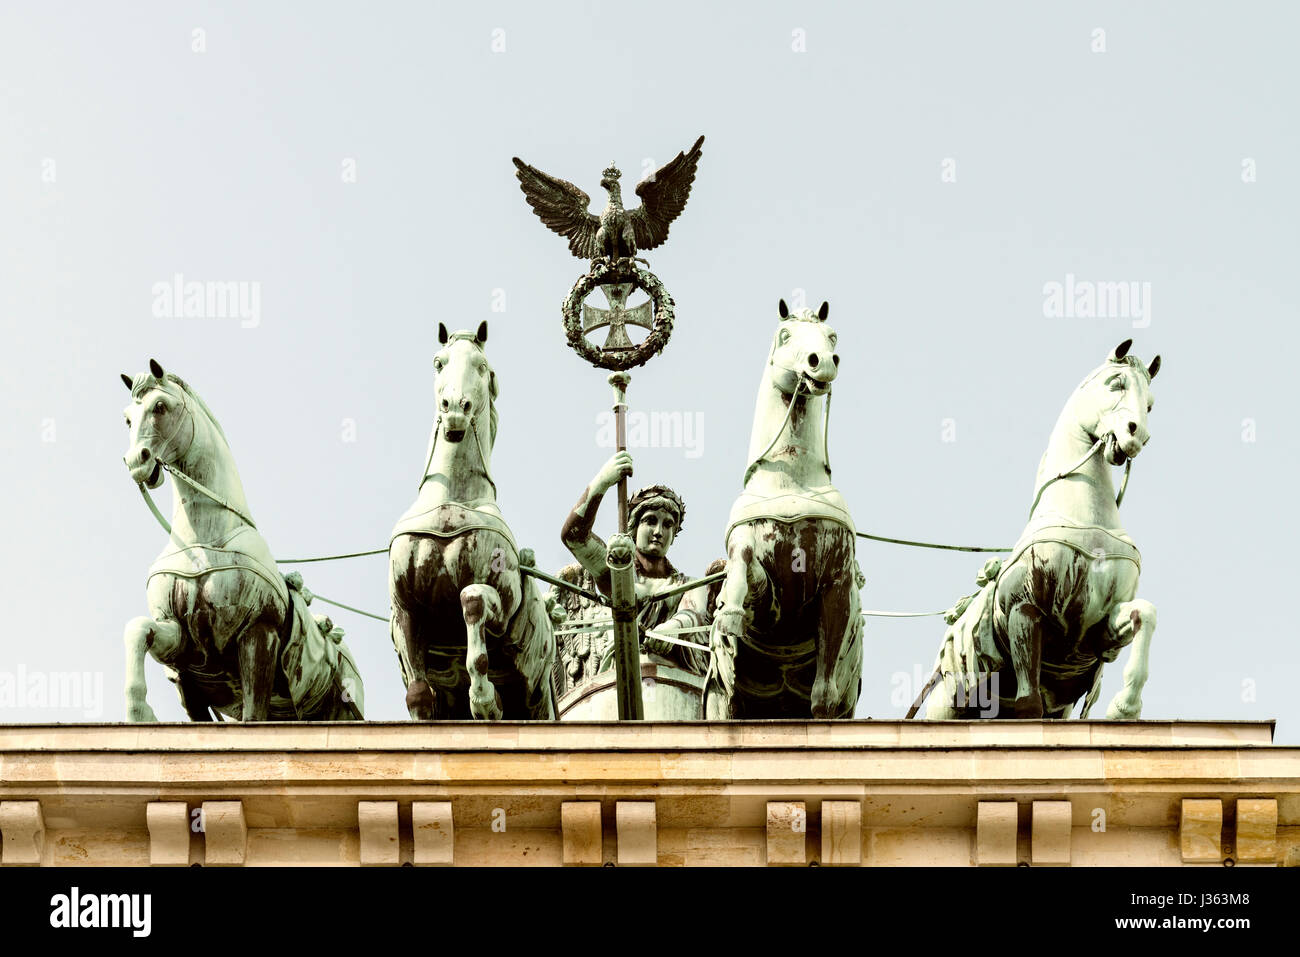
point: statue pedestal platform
(860, 792)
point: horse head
(803, 356)
(466, 386)
(1113, 402)
(160, 421)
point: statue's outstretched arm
(577, 534)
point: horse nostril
(836, 359)
(144, 455)
(1132, 428)
(465, 405)
(445, 405)
(813, 360)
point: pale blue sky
(821, 172)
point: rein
(177, 473)
(800, 388)
(1096, 447)
(203, 489)
(992, 602)
(478, 443)
(197, 486)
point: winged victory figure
(616, 233)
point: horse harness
(473, 428)
(285, 633)
(1021, 549)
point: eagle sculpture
(616, 233)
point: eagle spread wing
(562, 207)
(663, 197)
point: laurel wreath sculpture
(620, 271)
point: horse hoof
(730, 623)
(419, 701)
(1124, 710)
(1030, 706)
(485, 712)
(140, 713)
(485, 704)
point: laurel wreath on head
(605, 273)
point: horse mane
(146, 381)
(1132, 361)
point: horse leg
(835, 625)
(258, 650)
(143, 635)
(420, 702)
(729, 621)
(1025, 635)
(1132, 621)
(481, 606)
(940, 706)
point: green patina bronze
(235, 636)
(669, 609)
(787, 630)
(775, 630)
(1033, 640)
(611, 241)
(472, 632)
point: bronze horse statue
(787, 630)
(233, 633)
(472, 633)
(1031, 643)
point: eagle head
(609, 178)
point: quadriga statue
(787, 627)
(234, 634)
(473, 635)
(1032, 642)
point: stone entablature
(731, 793)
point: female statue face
(655, 532)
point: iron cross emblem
(617, 316)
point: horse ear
(481, 335)
(782, 309)
(824, 311)
(442, 334)
(1154, 367)
(1121, 350)
(128, 380)
(156, 369)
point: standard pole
(619, 381)
(620, 557)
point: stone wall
(756, 793)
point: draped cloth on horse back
(314, 665)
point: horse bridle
(178, 473)
(997, 579)
(1105, 440)
(800, 387)
(473, 427)
(285, 632)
